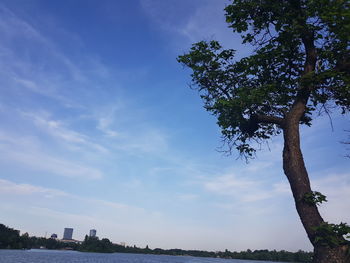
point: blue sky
(99, 129)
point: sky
(100, 130)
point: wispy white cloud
(13, 189)
(241, 189)
(107, 216)
(59, 129)
(10, 188)
(55, 75)
(337, 189)
(109, 118)
(15, 28)
(228, 184)
(104, 125)
(54, 165)
(187, 196)
(202, 21)
(150, 140)
(28, 152)
(48, 71)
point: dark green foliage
(252, 96)
(314, 198)
(332, 235)
(49, 243)
(93, 244)
(9, 238)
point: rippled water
(55, 256)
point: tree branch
(343, 65)
(269, 119)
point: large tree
(300, 67)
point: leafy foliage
(332, 235)
(93, 244)
(301, 51)
(314, 198)
(9, 238)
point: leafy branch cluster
(314, 198)
(332, 235)
(301, 52)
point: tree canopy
(301, 53)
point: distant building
(68, 233)
(93, 233)
(54, 236)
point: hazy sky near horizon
(99, 129)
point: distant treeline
(11, 239)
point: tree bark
(331, 255)
(295, 170)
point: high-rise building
(68, 233)
(93, 233)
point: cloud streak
(193, 26)
(59, 129)
(27, 152)
(242, 190)
(10, 188)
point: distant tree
(300, 64)
(9, 237)
(25, 240)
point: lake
(55, 256)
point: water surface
(56, 256)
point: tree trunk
(294, 169)
(331, 255)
